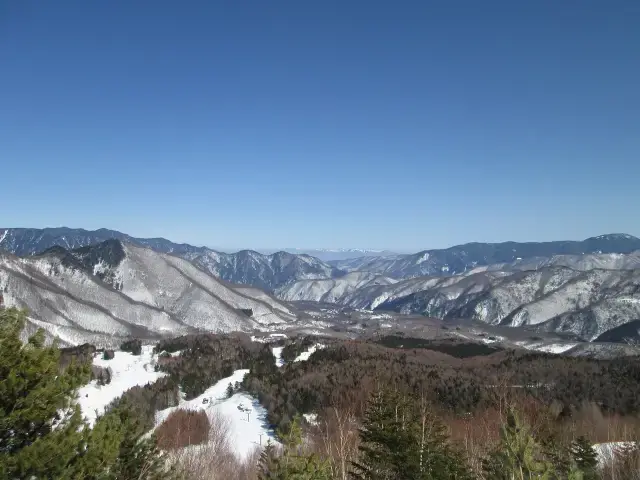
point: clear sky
(375, 124)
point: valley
(223, 354)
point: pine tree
(42, 433)
(585, 458)
(402, 439)
(519, 455)
(293, 463)
(41, 428)
(229, 390)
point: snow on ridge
(127, 371)
(423, 258)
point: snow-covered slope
(603, 261)
(127, 371)
(463, 258)
(247, 419)
(331, 290)
(245, 267)
(125, 290)
(587, 304)
(267, 272)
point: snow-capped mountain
(605, 261)
(29, 241)
(116, 289)
(245, 267)
(462, 258)
(267, 272)
(556, 299)
(591, 296)
(334, 254)
(332, 290)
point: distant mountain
(553, 299)
(113, 290)
(463, 258)
(245, 267)
(591, 296)
(331, 255)
(332, 290)
(29, 241)
(267, 272)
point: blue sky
(400, 125)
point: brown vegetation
(183, 428)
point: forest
(385, 408)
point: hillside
(119, 289)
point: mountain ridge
(244, 267)
(117, 289)
(462, 258)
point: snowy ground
(304, 356)
(547, 347)
(277, 354)
(248, 427)
(127, 371)
(606, 451)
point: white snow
(606, 451)
(423, 258)
(547, 348)
(4, 235)
(277, 353)
(127, 371)
(304, 356)
(247, 426)
(311, 418)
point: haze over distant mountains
(106, 282)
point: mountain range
(462, 258)
(104, 282)
(247, 267)
(116, 290)
(592, 296)
(282, 268)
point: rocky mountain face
(245, 267)
(463, 258)
(114, 290)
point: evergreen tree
(42, 433)
(293, 463)
(402, 439)
(519, 455)
(41, 428)
(585, 458)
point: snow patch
(127, 371)
(423, 258)
(304, 356)
(277, 354)
(311, 418)
(605, 452)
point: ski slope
(127, 371)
